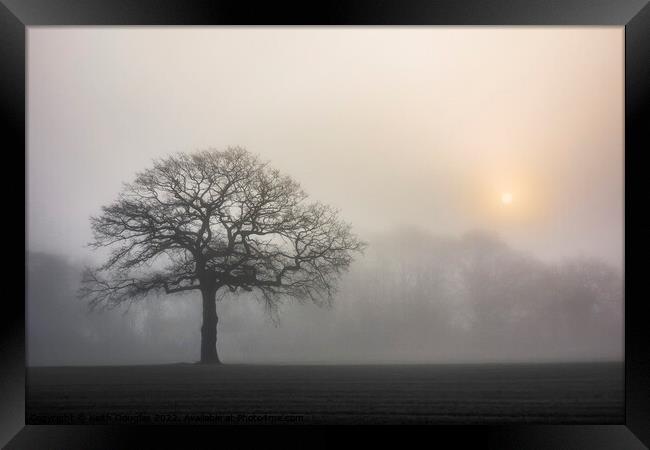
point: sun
(506, 198)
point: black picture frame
(634, 15)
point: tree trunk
(209, 328)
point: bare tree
(217, 220)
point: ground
(587, 393)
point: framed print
(284, 219)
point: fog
(414, 298)
(415, 134)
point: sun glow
(506, 198)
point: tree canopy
(215, 219)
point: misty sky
(402, 126)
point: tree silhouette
(217, 220)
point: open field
(587, 393)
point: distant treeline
(485, 299)
(413, 297)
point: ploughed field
(588, 393)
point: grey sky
(424, 126)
